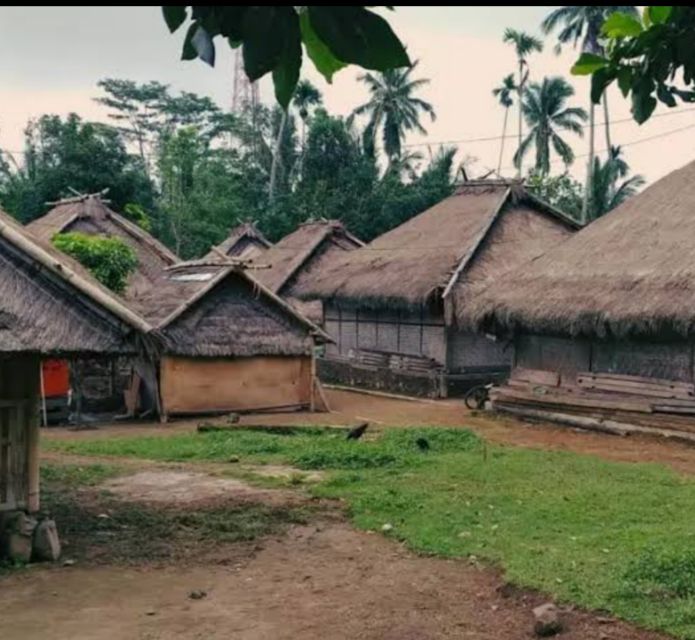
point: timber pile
(601, 401)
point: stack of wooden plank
(612, 402)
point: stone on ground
(548, 620)
(46, 541)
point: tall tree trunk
(276, 156)
(521, 112)
(504, 135)
(588, 185)
(607, 123)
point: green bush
(109, 259)
(136, 214)
(662, 574)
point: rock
(386, 527)
(197, 594)
(233, 418)
(16, 532)
(150, 612)
(46, 545)
(548, 620)
(68, 563)
(233, 459)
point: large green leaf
(189, 51)
(588, 63)
(286, 73)
(202, 42)
(622, 25)
(324, 61)
(599, 81)
(264, 39)
(174, 16)
(358, 36)
(643, 105)
(659, 14)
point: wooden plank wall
(210, 385)
(19, 429)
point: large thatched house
(391, 305)
(243, 242)
(229, 343)
(89, 214)
(49, 307)
(605, 322)
(286, 266)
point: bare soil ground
(319, 579)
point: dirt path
(351, 407)
(322, 581)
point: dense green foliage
(272, 39)
(605, 535)
(647, 56)
(109, 259)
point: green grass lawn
(606, 535)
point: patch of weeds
(662, 574)
(73, 475)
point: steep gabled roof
(243, 241)
(51, 305)
(89, 214)
(425, 257)
(312, 247)
(631, 272)
(221, 310)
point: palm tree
(584, 23)
(546, 112)
(393, 108)
(608, 190)
(306, 95)
(524, 44)
(504, 94)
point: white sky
(52, 58)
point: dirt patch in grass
(152, 517)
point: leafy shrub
(138, 215)
(109, 259)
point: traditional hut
(604, 324)
(229, 343)
(244, 241)
(89, 214)
(49, 307)
(390, 306)
(102, 383)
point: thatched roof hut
(243, 241)
(303, 253)
(228, 342)
(391, 304)
(50, 305)
(89, 214)
(629, 273)
(484, 229)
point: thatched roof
(631, 272)
(300, 254)
(51, 306)
(90, 215)
(421, 260)
(221, 311)
(243, 241)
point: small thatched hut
(49, 307)
(611, 311)
(391, 305)
(89, 214)
(286, 266)
(244, 241)
(229, 343)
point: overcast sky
(52, 58)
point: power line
(632, 143)
(514, 135)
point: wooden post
(312, 395)
(27, 416)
